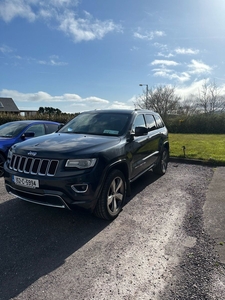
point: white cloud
(186, 51)
(192, 89)
(171, 75)
(165, 55)
(53, 61)
(85, 29)
(96, 100)
(149, 35)
(164, 62)
(162, 47)
(198, 67)
(134, 48)
(121, 105)
(16, 8)
(165, 52)
(5, 49)
(63, 13)
(194, 68)
(66, 102)
(59, 3)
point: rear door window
(151, 124)
(51, 128)
(38, 129)
(159, 121)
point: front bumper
(62, 192)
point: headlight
(83, 163)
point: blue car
(19, 131)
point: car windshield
(10, 130)
(98, 123)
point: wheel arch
(123, 167)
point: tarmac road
(168, 243)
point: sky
(77, 55)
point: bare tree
(161, 99)
(210, 98)
(188, 106)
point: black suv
(90, 162)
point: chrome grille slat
(34, 166)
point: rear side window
(151, 124)
(51, 128)
(159, 121)
(38, 129)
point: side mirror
(139, 131)
(28, 134)
(60, 126)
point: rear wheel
(111, 200)
(2, 161)
(163, 162)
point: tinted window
(150, 122)
(98, 123)
(38, 129)
(159, 121)
(51, 128)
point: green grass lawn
(207, 147)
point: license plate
(27, 182)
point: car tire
(2, 161)
(112, 197)
(161, 167)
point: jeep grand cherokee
(90, 162)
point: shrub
(211, 123)
(62, 118)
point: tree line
(201, 113)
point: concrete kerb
(196, 161)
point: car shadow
(35, 240)
(141, 183)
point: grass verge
(207, 147)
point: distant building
(28, 113)
(7, 105)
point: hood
(6, 143)
(60, 145)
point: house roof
(8, 105)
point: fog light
(80, 188)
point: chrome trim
(42, 166)
(154, 153)
(64, 205)
(73, 187)
(146, 170)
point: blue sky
(77, 55)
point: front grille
(29, 165)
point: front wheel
(111, 200)
(163, 162)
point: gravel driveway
(156, 249)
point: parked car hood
(6, 142)
(61, 144)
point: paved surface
(161, 247)
(214, 211)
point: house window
(1, 105)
